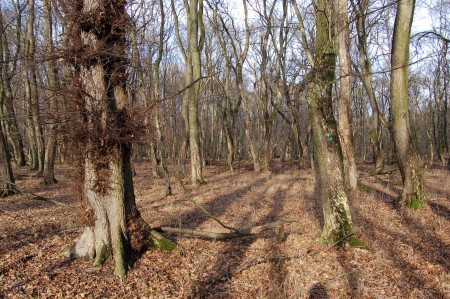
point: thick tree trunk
(337, 219)
(344, 99)
(108, 185)
(413, 189)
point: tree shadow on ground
(440, 210)
(232, 259)
(417, 239)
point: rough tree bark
(99, 49)
(413, 194)
(337, 218)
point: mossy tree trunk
(99, 41)
(337, 219)
(196, 39)
(344, 97)
(413, 194)
(192, 59)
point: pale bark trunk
(413, 194)
(344, 98)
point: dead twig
(205, 211)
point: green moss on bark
(100, 257)
(160, 242)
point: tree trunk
(7, 186)
(344, 98)
(50, 151)
(11, 120)
(108, 186)
(337, 219)
(161, 151)
(366, 67)
(413, 190)
(34, 97)
(195, 44)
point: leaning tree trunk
(337, 219)
(413, 189)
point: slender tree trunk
(413, 190)
(34, 97)
(51, 149)
(366, 67)
(7, 186)
(344, 98)
(195, 44)
(161, 151)
(11, 120)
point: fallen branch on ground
(224, 236)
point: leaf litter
(408, 257)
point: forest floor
(409, 255)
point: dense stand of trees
(331, 82)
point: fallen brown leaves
(409, 255)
